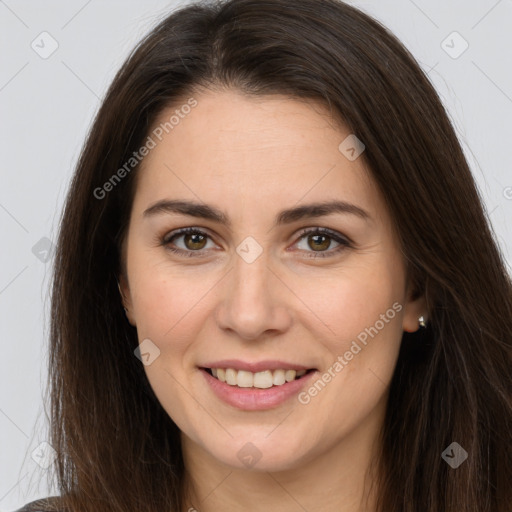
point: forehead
(253, 153)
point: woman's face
(256, 287)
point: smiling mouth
(261, 380)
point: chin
(259, 452)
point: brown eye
(319, 242)
(194, 241)
(186, 242)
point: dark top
(50, 504)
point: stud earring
(422, 322)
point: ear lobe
(413, 310)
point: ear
(415, 306)
(126, 298)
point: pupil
(194, 240)
(319, 245)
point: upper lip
(256, 366)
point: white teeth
(244, 379)
(278, 378)
(261, 380)
(231, 376)
(290, 375)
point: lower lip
(255, 399)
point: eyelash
(344, 242)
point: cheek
(169, 312)
(363, 312)
(362, 356)
(355, 300)
(167, 300)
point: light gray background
(47, 105)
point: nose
(254, 301)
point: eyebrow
(288, 216)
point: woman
(248, 371)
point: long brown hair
(117, 448)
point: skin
(252, 157)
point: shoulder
(50, 504)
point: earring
(422, 321)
